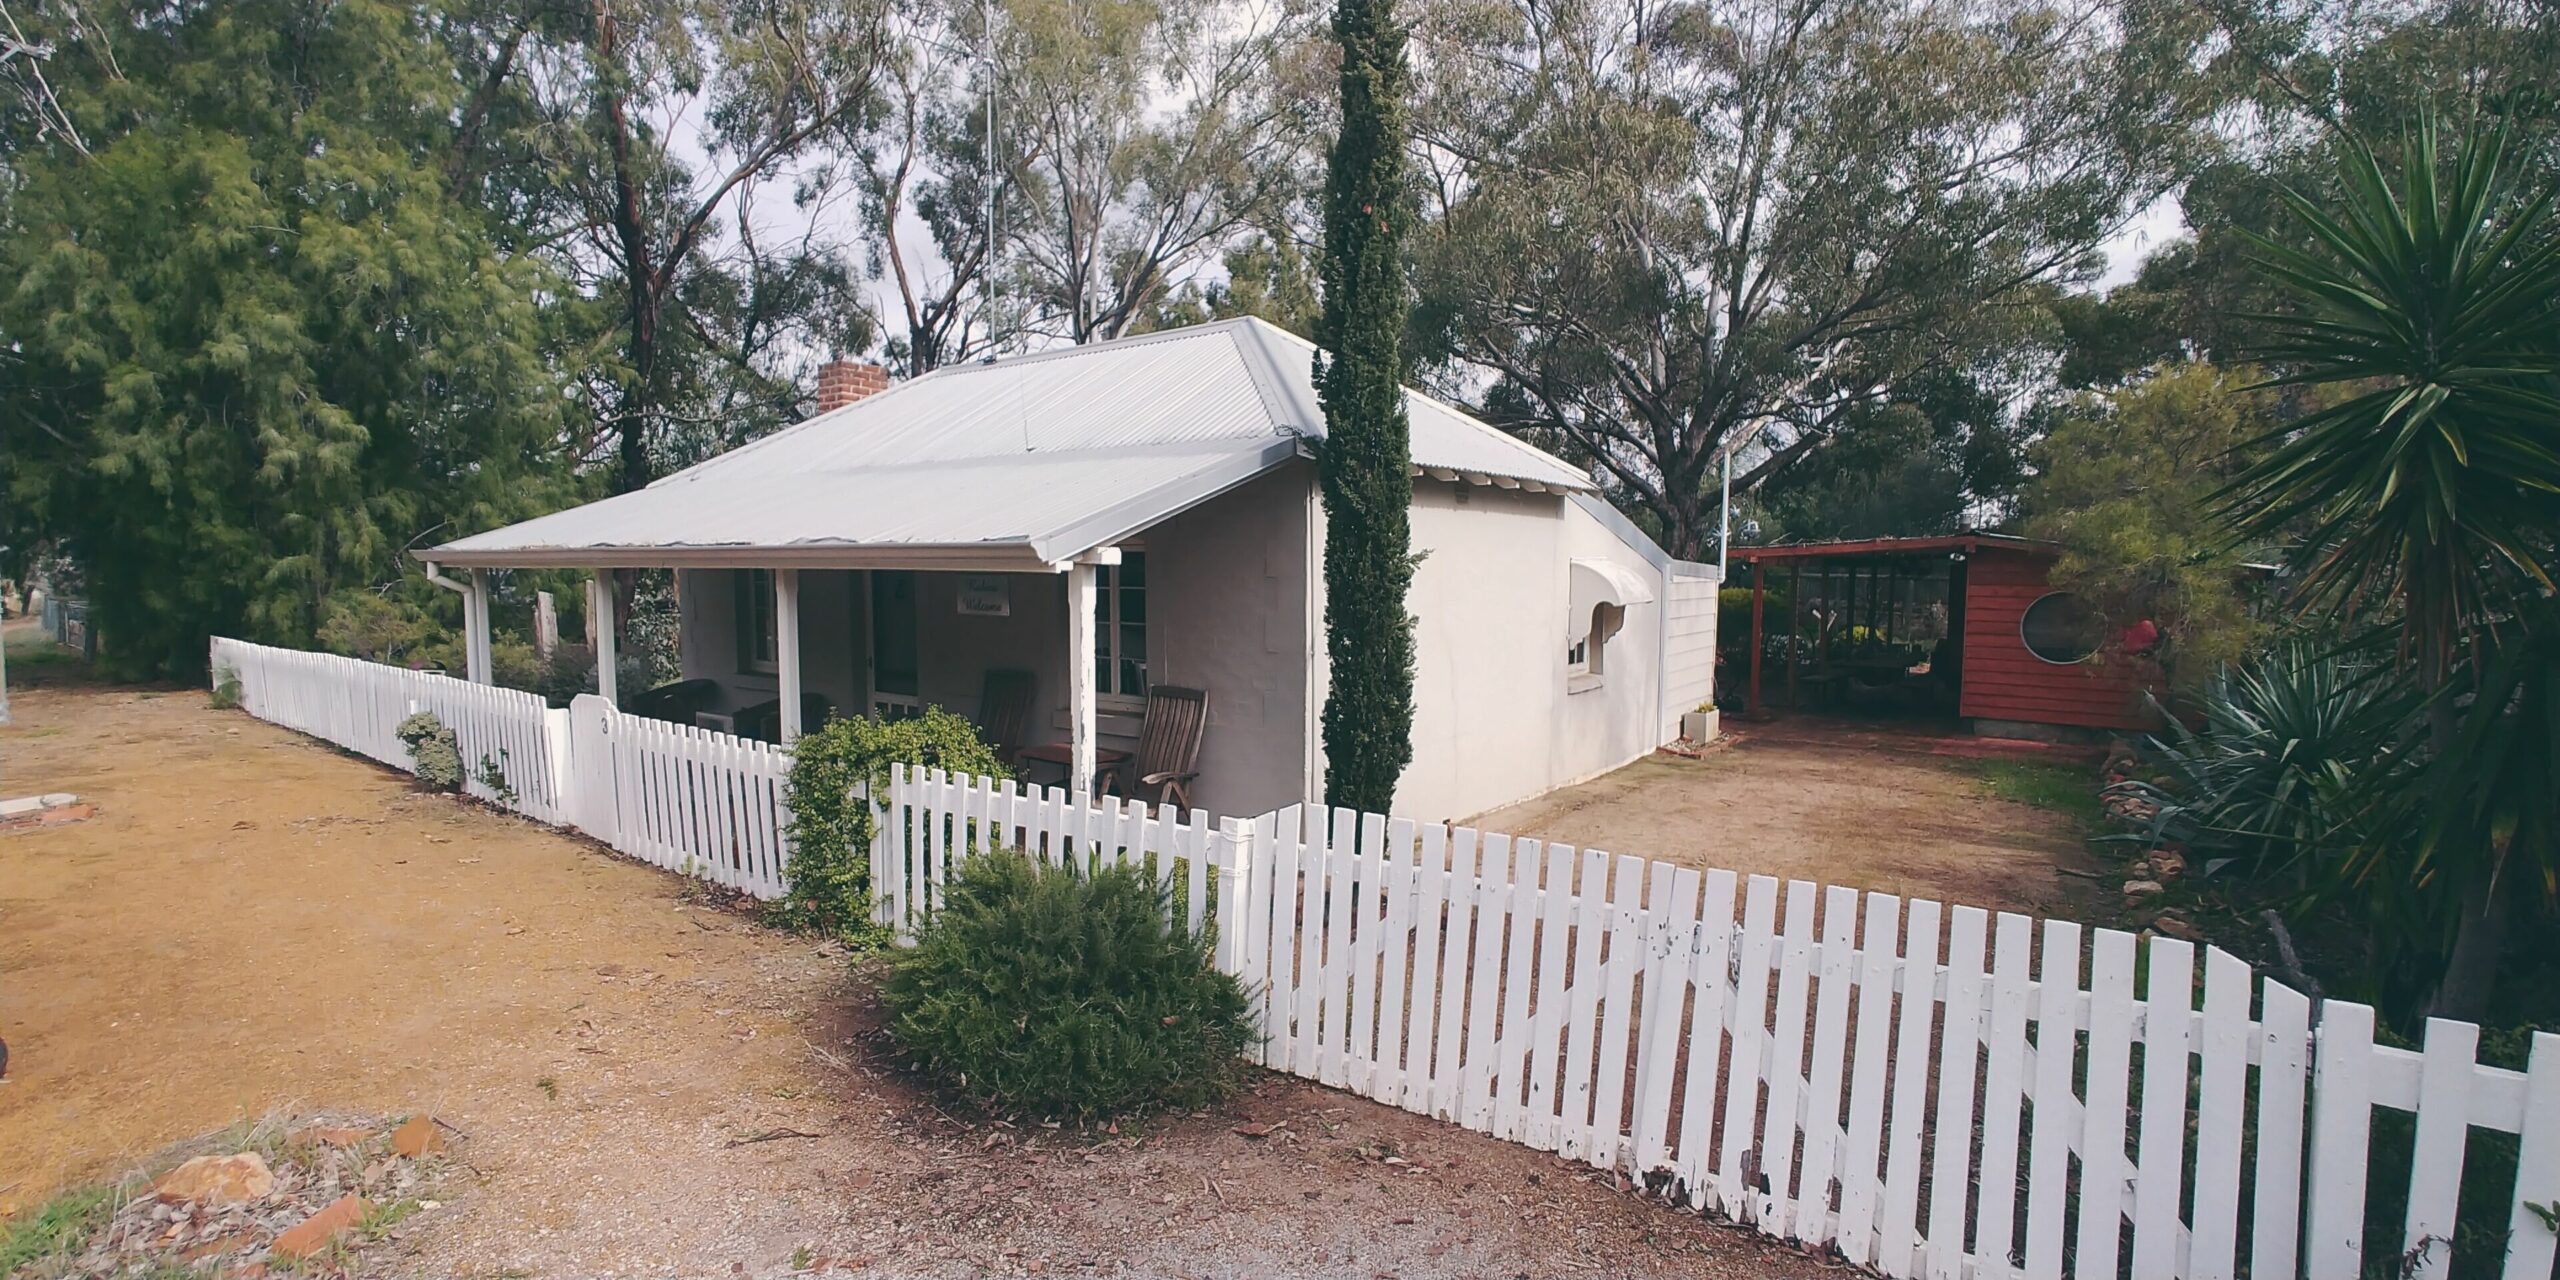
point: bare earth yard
(1833, 802)
(649, 1083)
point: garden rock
(320, 1228)
(2137, 890)
(417, 1137)
(218, 1180)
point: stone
(315, 1232)
(2169, 864)
(2176, 926)
(417, 1137)
(217, 1180)
(2136, 890)
(218, 1246)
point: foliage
(378, 626)
(1053, 990)
(433, 752)
(1745, 223)
(55, 1230)
(1942, 453)
(1366, 461)
(226, 689)
(2302, 756)
(1151, 135)
(2124, 482)
(2044, 784)
(256, 345)
(2429, 494)
(831, 827)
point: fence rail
(1934, 1091)
(689, 800)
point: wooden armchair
(1004, 711)
(1168, 756)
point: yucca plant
(2301, 756)
(2427, 495)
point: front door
(896, 690)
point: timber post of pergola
(1759, 583)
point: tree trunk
(2479, 943)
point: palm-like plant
(2431, 489)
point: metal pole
(1724, 517)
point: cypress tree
(1366, 462)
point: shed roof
(1018, 463)
(1965, 542)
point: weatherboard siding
(2003, 681)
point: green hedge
(830, 869)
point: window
(2060, 628)
(1120, 627)
(1587, 656)
(756, 625)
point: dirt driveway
(650, 1084)
(1840, 803)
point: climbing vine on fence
(831, 827)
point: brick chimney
(841, 382)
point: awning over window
(1599, 582)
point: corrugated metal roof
(1028, 460)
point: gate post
(589, 802)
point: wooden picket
(689, 800)
(1932, 1091)
(1935, 1091)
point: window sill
(1583, 683)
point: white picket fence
(510, 740)
(1934, 1092)
(690, 800)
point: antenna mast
(987, 65)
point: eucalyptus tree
(661, 121)
(1665, 230)
(1149, 138)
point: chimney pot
(841, 382)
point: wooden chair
(1004, 711)
(1168, 756)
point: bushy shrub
(830, 869)
(1048, 990)
(433, 750)
(226, 689)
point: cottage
(1096, 522)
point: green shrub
(1047, 990)
(226, 689)
(433, 750)
(830, 869)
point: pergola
(1877, 574)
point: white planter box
(1701, 726)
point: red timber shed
(1962, 624)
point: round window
(2061, 628)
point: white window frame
(1106, 636)
(1586, 660)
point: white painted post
(475, 620)
(786, 648)
(600, 635)
(1080, 679)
